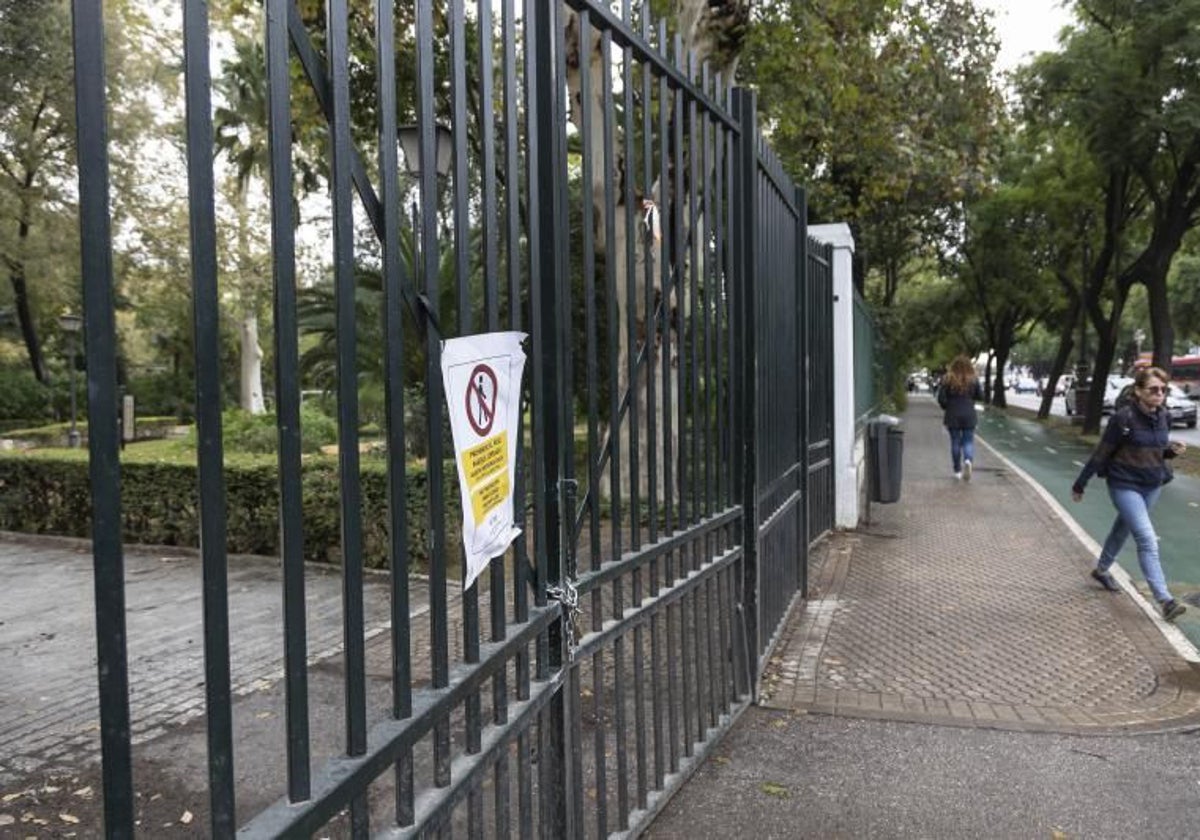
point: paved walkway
(969, 604)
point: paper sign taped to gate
(482, 378)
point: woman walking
(957, 395)
(1132, 455)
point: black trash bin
(886, 459)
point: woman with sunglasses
(1132, 456)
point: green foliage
(22, 397)
(159, 505)
(894, 124)
(1184, 285)
(246, 432)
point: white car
(1179, 408)
(1112, 387)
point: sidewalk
(969, 606)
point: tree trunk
(20, 287)
(1162, 333)
(1066, 343)
(251, 392)
(1106, 336)
(250, 380)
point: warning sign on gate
(482, 378)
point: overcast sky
(1025, 27)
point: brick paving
(49, 709)
(969, 604)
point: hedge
(159, 506)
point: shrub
(164, 393)
(246, 432)
(23, 397)
(159, 506)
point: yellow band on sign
(483, 459)
(487, 496)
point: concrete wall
(848, 444)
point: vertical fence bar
(546, 238)
(666, 264)
(681, 269)
(462, 272)
(648, 332)
(651, 338)
(745, 450)
(666, 261)
(721, 325)
(430, 259)
(629, 179)
(591, 330)
(491, 302)
(710, 543)
(612, 295)
(347, 397)
(206, 309)
(803, 366)
(512, 173)
(567, 487)
(395, 278)
(104, 469)
(287, 398)
(512, 188)
(691, 310)
(607, 107)
(655, 341)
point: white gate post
(847, 448)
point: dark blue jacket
(959, 407)
(1132, 452)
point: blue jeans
(1133, 517)
(962, 447)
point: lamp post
(409, 137)
(410, 143)
(71, 325)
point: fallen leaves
(776, 790)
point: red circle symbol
(481, 399)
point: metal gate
(818, 429)
(649, 251)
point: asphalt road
(782, 776)
(1058, 408)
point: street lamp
(409, 137)
(71, 325)
(410, 143)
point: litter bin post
(887, 459)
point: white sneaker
(966, 473)
(958, 476)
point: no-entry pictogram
(481, 399)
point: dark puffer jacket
(1132, 452)
(958, 407)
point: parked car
(1180, 408)
(1026, 386)
(1060, 387)
(1112, 387)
